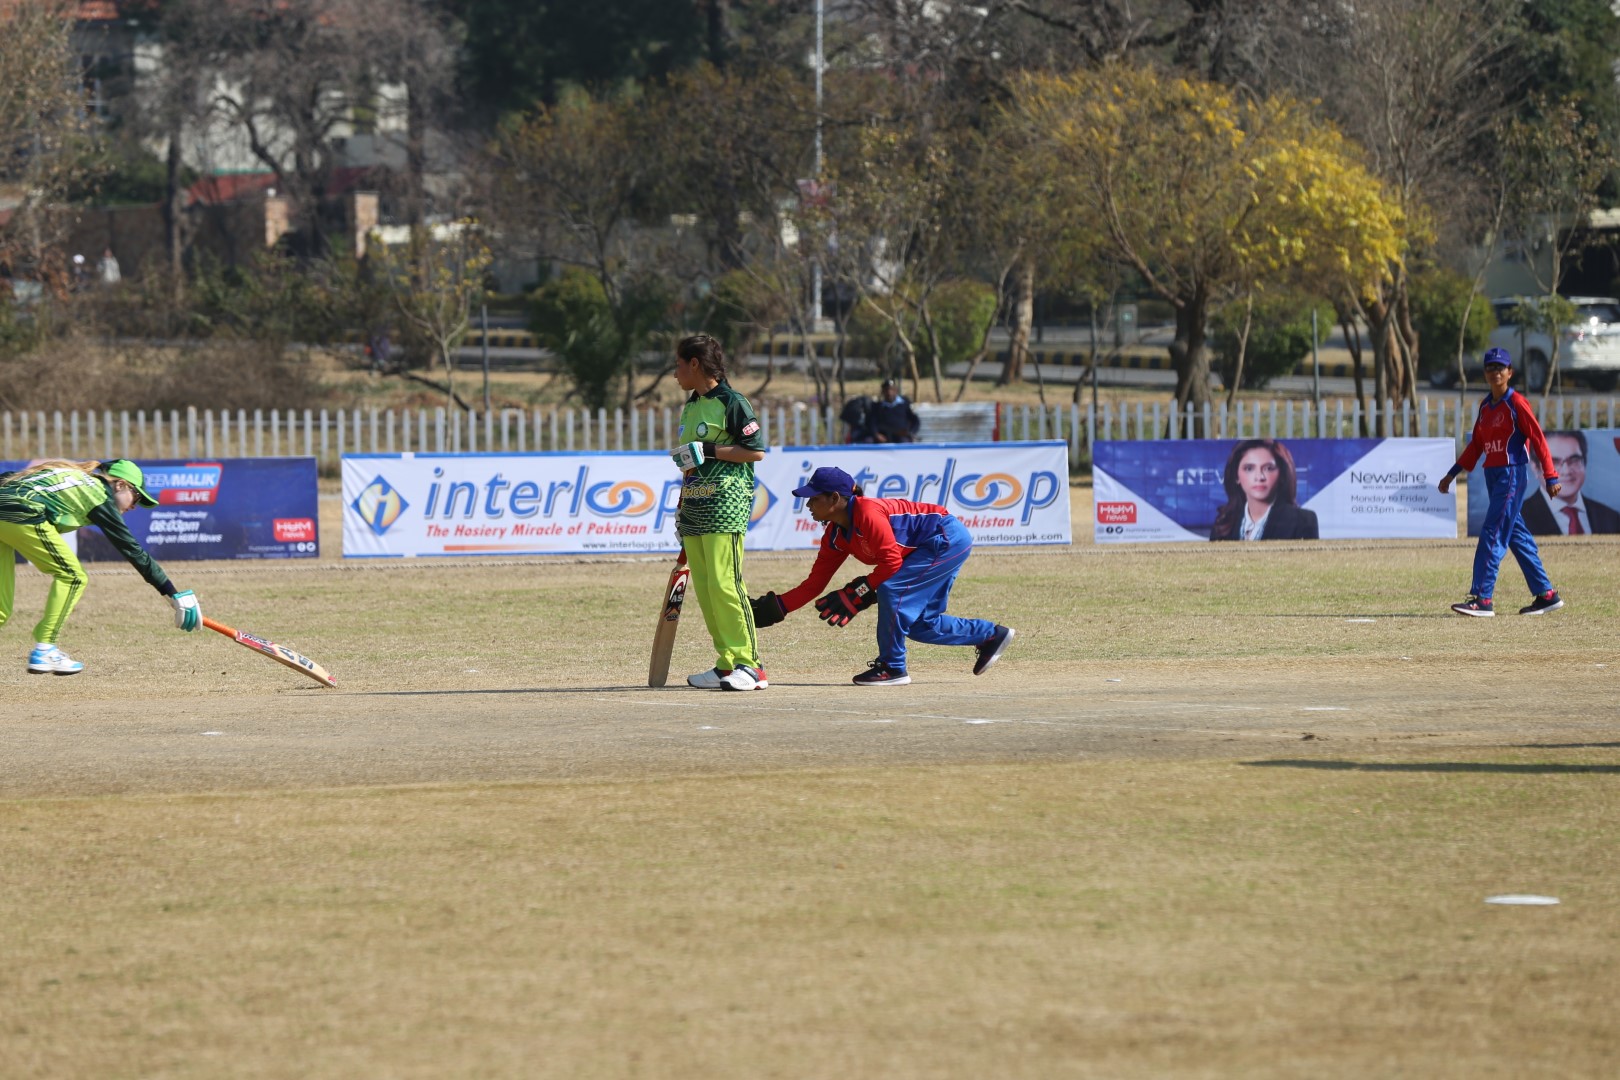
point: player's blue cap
(1497, 356)
(827, 480)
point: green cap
(130, 473)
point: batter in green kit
(720, 441)
(40, 503)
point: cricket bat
(280, 653)
(669, 619)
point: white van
(1588, 349)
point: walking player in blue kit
(1505, 435)
(915, 549)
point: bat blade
(279, 653)
(669, 619)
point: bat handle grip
(218, 627)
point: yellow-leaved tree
(1207, 196)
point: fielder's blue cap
(827, 480)
(1497, 356)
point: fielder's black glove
(768, 610)
(837, 608)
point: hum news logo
(1116, 513)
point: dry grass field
(1222, 811)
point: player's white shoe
(743, 677)
(707, 680)
(52, 661)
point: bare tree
(286, 76)
(1418, 86)
(1552, 167)
(435, 280)
(44, 134)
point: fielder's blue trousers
(911, 604)
(1504, 530)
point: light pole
(815, 265)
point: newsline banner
(225, 508)
(1588, 464)
(407, 505)
(1270, 489)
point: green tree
(520, 53)
(1446, 310)
(1207, 197)
(1266, 338)
(596, 338)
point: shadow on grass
(671, 688)
(1549, 768)
(1336, 616)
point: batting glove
(837, 608)
(689, 456)
(768, 610)
(187, 612)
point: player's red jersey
(1506, 433)
(882, 533)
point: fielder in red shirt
(1505, 435)
(915, 551)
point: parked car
(1588, 348)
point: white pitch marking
(1324, 708)
(706, 727)
(1523, 900)
(987, 721)
(1360, 620)
(1113, 680)
(210, 733)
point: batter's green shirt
(718, 496)
(69, 499)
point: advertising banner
(231, 508)
(1588, 464)
(1269, 489)
(403, 505)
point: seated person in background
(1567, 513)
(855, 415)
(891, 418)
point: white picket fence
(1336, 419)
(327, 434)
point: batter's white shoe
(743, 677)
(713, 679)
(52, 661)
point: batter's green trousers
(43, 546)
(716, 560)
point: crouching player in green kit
(39, 504)
(720, 441)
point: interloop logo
(629, 498)
(763, 501)
(379, 505)
(989, 491)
